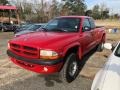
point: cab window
(86, 23)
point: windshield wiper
(44, 29)
(59, 30)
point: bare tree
(104, 11)
(54, 9)
(4, 2)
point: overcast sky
(113, 5)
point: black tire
(100, 47)
(70, 69)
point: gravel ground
(13, 77)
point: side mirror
(108, 46)
(86, 28)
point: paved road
(13, 77)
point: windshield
(117, 52)
(63, 24)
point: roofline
(73, 16)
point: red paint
(58, 42)
(38, 68)
(7, 7)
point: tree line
(42, 11)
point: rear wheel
(70, 69)
(101, 45)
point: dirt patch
(108, 23)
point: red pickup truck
(58, 46)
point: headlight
(8, 45)
(47, 54)
(16, 35)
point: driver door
(87, 36)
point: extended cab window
(92, 23)
(63, 24)
(117, 52)
(86, 23)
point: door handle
(92, 33)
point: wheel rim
(102, 45)
(73, 68)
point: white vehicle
(108, 78)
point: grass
(113, 37)
(108, 23)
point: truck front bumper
(36, 65)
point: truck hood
(23, 32)
(45, 39)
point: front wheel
(70, 69)
(100, 47)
